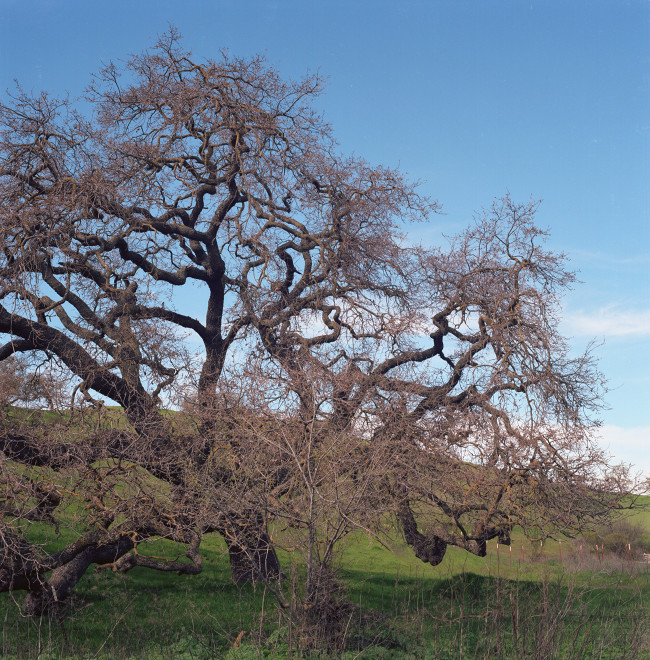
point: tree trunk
(63, 579)
(252, 555)
(430, 549)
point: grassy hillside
(401, 608)
(554, 600)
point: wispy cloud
(605, 259)
(608, 321)
(628, 445)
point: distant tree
(345, 377)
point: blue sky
(546, 99)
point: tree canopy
(332, 375)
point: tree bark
(64, 578)
(430, 549)
(252, 555)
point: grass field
(526, 600)
(510, 604)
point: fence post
(580, 564)
(498, 573)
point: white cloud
(628, 445)
(607, 259)
(608, 321)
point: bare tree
(443, 367)
(458, 378)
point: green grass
(641, 516)
(510, 604)
(402, 608)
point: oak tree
(343, 378)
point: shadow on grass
(393, 615)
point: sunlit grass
(501, 605)
(401, 606)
